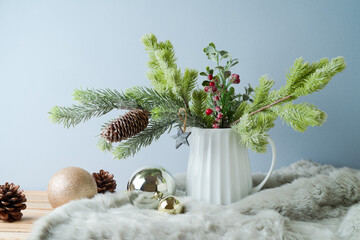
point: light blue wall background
(48, 48)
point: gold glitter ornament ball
(70, 183)
(171, 205)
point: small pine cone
(104, 181)
(11, 202)
(128, 125)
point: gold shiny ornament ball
(170, 205)
(70, 183)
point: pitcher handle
(273, 150)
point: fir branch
(105, 97)
(162, 113)
(321, 77)
(298, 73)
(166, 58)
(187, 85)
(145, 138)
(264, 108)
(104, 145)
(71, 116)
(157, 79)
(162, 63)
(199, 103)
(254, 130)
(198, 108)
(150, 42)
(92, 103)
(300, 116)
(239, 111)
(261, 93)
(305, 78)
(149, 98)
(164, 74)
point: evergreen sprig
(261, 94)
(198, 107)
(254, 130)
(164, 73)
(92, 103)
(300, 116)
(303, 79)
(132, 145)
(149, 98)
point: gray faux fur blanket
(303, 201)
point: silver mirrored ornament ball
(148, 186)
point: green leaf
(212, 57)
(203, 74)
(231, 91)
(220, 67)
(227, 74)
(222, 53)
(209, 50)
(234, 63)
(205, 83)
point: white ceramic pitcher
(219, 168)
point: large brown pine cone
(128, 125)
(104, 181)
(12, 201)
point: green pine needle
(92, 103)
(132, 145)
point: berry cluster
(223, 103)
(218, 91)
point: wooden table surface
(37, 206)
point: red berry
(214, 89)
(236, 81)
(235, 76)
(208, 111)
(218, 109)
(220, 115)
(210, 77)
(211, 84)
(216, 125)
(207, 89)
(216, 98)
